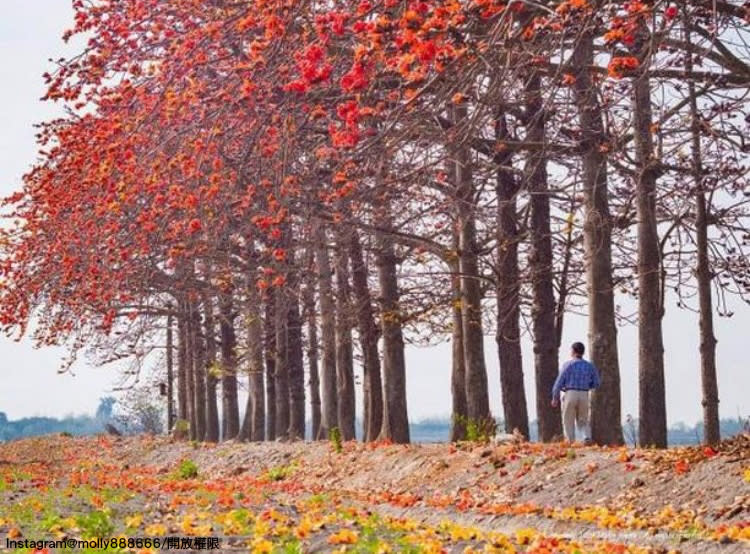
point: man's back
(579, 374)
(577, 377)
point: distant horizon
(30, 34)
(444, 419)
(424, 432)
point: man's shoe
(587, 442)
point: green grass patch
(95, 524)
(292, 546)
(281, 472)
(187, 469)
(318, 499)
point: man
(576, 379)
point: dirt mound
(709, 481)
(697, 499)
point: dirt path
(688, 500)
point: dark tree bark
(540, 261)
(199, 379)
(308, 300)
(270, 351)
(170, 372)
(458, 367)
(281, 374)
(395, 418)
(182, 409)
(508, 334)
(190, 362)
(710, 387)
(253, 424)
(329, 414)
(344, 348)
(368, 336)
(212, 409)
(477, 396)
(652, 424)
(562, 282)
(295, 360)
(606, 417)
(229, 403)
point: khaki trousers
(575, 412)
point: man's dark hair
(578, 348)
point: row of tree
(293, 189)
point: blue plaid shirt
(576, 374)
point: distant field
(426, 431)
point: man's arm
(561, 378)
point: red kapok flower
(195, 225)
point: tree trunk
(329, 418)
(458, 366)
(229, 403)
(295, 360)
(710, 401)
(508, 334)
(652, 424)
(368, 336)
(199, 379)
(540, 262)
(182, 410)
(270, 348)
(477, 397)
(170, 372)
(253, 425)
(281, 375)
(395, 419)
(308, 299)
(606, 418)
(190, 362)
(344, 349)
(212, 409)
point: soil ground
(313, 497)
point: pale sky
(30, 33)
